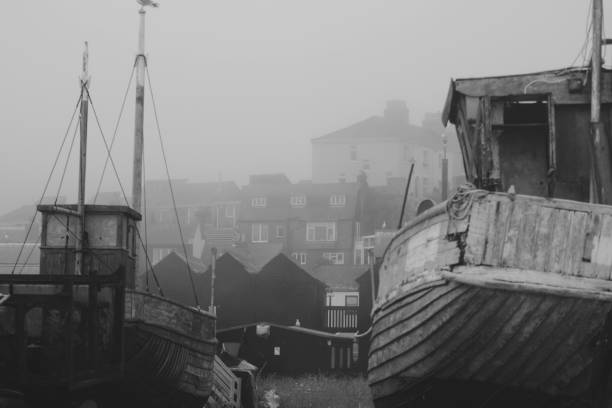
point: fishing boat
(501, 295)
(85, 331)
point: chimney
(397, 111)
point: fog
(242, 86)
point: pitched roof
(379, 128)
(255, 257)
(339, 277)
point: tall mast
(139, 141)
(600, 149)
(80, 233)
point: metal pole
(138, 143)
(401, 219)
(213, 267)
(80, 233)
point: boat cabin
(529, 131)
(109, 244)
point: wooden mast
(138, 144)
(600, 149)
(80, 230)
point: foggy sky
(242, 86)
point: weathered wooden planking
(549, 235)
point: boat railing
(61, 330)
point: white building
(385, 147)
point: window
(259, 233)
(321, 231)
(230, 211)
(336, 258)
(337, 200)
(299, 257)
(280, 231)
(351, 300)
(258, 202)
(357, 229)
(353, 152)
(298, 200)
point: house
(290, 350)
(385, 147)
(316, 223)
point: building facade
(315, 223)
(385, 148)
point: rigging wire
(57, 157)
(161, 143)
(61, 183)
(112, 162)
(144, 212)
(112, 143)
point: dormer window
(337, 200)
(258, 202)
(298, 200)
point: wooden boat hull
(494, 308)
(170, 351)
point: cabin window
(61, 230)
(103, 231)
(259, 233)
(320, 231)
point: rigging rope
(25, 240)
(112, 162)
(161, 142)
(112, 143)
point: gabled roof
(255, 257)
(195, 264)
(339, 277)
(378, 128)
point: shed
(289, 350)
(279, 292)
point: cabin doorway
(521, 137)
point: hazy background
(242, 86)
